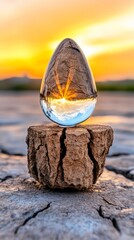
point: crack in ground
(125, 172)
(112, 204)
(111, 218)
(118, 154)
(30, 217)
(6, 178)
(4, 151)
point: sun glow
(105, 36)
(105, 33)
(62, 100)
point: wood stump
(68, 157)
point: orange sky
(31, 29)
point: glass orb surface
(68, 92)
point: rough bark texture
(68, 158)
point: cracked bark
(32, 156)
(68, 158)
(62, 155)
(95, 164)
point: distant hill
(25, 83)
(20, 83)
(118, 85)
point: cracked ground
(29, 211)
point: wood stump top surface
(92, 127)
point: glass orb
(68, 92)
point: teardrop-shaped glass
(68, 92)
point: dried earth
(29, 211)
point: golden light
(64, 91)
(62, 100)
(103, 30)
(112, 35)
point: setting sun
(31, 30)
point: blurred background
(30, 32)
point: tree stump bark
(68, 157)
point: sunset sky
(30, 30)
